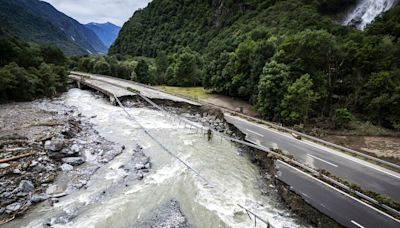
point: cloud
(100, 11)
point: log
(17, 157)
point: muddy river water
(114, 199)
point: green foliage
(102, 67)
(143, 73)
(382, 98)
(276, 54)
(342, 118)
(185, 68)
(298, 100)
(273, 83)
(27, 71)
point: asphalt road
(341, 207)
(365, 174)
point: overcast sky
(100, 11)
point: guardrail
(281, 128)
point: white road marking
(340, 191)
(255, 133)
(357, 224)
(325, 149)
(330, 163)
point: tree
(102, 67)
(342, 118)
(162, 66)
(297, 102)
(142, 72)
(52, 55)
(273, 84)
(185, 68)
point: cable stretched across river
(159, 143)
(178, 158)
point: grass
(196, 93)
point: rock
(2, 210)
(17, 171)
(140, 176)
(148, 165)
(75, 148)
(36, 198)
(33, 163)
(4, 165)
(26, 186)
(66, 167)
(145, 160)
(13, 207)
(55, 144)
(139, 166)
(74, 161)
(54, 189)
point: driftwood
(43, 124)
(2, 222)
(14, 149)
(17, 157)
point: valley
(219, 113)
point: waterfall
(366, 11)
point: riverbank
(48, 150)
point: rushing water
(114, 201)
(366, 11)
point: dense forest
(29, 70)
(290, 58)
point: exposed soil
(231, 103)
(387, 148)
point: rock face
(167, 215)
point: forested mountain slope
(37, 21)
(288, 57)
(107, 32)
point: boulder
(36, 198)
(74, 161)
(13, 207)
(26, 186)
(66, 167)
(55, 144)
(54, 189)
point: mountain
(107, 32)
(168, 25)
(37, 21)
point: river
(112, 199)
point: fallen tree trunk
(17, 157)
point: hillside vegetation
(287, 57)
(29, 70)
